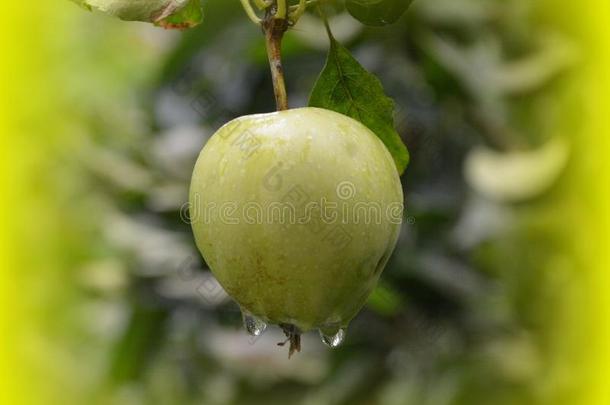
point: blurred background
(498, 289)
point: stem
(296, 13)
(307, 3)
(262, 4)
(250, 11)
(274, 28)
(325, 21)
(293, 336)
(281, 9)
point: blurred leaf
(346, 87)
(377, 12)
(164, 13)
(141, 340)
(516, 176)
(385, 300)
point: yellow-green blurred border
(33, 117)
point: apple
(296, 213)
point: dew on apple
(254, 325)
(333, 340)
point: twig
(250, 12)
(274, 29)
(262, 4)
(296, 13)
(281, 9)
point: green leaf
(377, 12)
(189, 16)
(164, 13)
(346, 87)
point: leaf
(519, 175)
(385, 300)
(173, 14)
(189, 16)
(377, 12)
(346, 87)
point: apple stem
(293, 335)
(275, 26)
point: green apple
(297, 213)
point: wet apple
(296, 213)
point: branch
(274, 29)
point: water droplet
(255, 326)
(333, 340)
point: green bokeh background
(480, 302)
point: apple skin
(315, 271)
